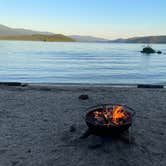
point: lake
(46, 62)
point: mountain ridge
(80, 38)
(160, 39)
(7, 31)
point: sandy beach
(41, 125)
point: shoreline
(79, 85)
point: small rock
(45, 120)
(161, 133)
(24, 85)
(159, 52)
(72, 128)
(83, 97)
(29, 151)
(148, 50)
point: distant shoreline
(44, 38)
(63, 38)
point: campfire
(109, 118)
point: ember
(109, 116)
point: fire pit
(109, 119)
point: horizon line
(82, 35)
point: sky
(101, 18)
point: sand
(42, 125)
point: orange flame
(109, 116)
(118, 115)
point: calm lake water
(44, 62)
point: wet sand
(42, 125)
